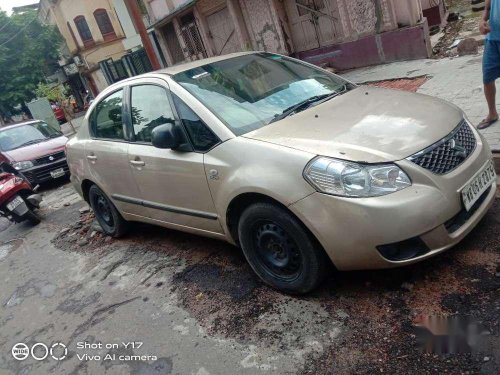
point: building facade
(340, 33)
(99, 37)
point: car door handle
(137, 163)
(92, 157)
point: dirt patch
(404, 84)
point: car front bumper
(430, 213)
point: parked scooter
(18, 199)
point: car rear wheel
(280, 250)
(112, 223)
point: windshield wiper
(306, 103)
(301, 105)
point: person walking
(490, 26)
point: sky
(7, 5)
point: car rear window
(106, 119)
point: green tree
(28, 53)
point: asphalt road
(164, 302)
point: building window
(104, 23)
(84, 31)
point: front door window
(150, 108)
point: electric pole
(136, 16)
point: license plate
(57, 173)
(12, 205)
(478, 185)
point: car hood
(367, 124)
(37, 150)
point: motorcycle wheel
(32, 217)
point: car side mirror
(165, 136)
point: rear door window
(107, 118)
(150, 107)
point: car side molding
(164, 207)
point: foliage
(28, 53)
(51, 92)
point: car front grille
(49, 158)
(447, 154)
(42, 174)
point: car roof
(171, 70)
(16, 125)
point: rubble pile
(83, 235)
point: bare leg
(490, 92)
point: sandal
(485, 123)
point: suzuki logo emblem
(458, 149)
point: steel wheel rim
(276, 251)
(103, 210)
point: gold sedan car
(294, 164)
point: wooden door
(313, 23)
(223, 32)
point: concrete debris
(342, 314)
(84, 210)
(468, 46)
(96, 227)
(83, 242)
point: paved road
(197, 308)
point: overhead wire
(7, 24)
(19, 32)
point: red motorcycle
(18, 199)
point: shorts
(491, 61)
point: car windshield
(250, 91)
(19, 136)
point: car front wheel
(280, 250)
(112, 223)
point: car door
(107, 152)
(172, 183)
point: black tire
(110, 220)
(280, 250)
(32, 217)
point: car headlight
(349, 179)
(20, 165)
